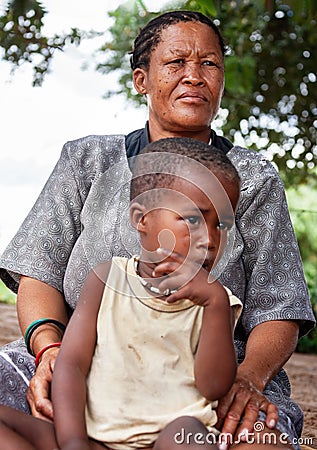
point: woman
(81, 218)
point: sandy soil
(302, 370)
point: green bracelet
(34, 325)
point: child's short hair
(170, 158)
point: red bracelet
(40, 353)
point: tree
(271, 89)
(22, 40)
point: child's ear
(137, 215)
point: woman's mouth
(192, 97)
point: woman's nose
(193, 76)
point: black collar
(138, 139)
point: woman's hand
(39, 392)
(36, 300)
(269, 346)
(242, 404)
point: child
(149, 348)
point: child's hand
(190, 279)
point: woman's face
(185, 80)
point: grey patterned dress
(81, 218)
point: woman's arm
(74, 360)
(37, 300)
(269, 346)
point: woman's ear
(137, 216)
(140, 80)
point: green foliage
(22, 40)
(271, 87)
(303, 207)
(113, 56)
(308, 343)
(6, 296)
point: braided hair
(151, 34)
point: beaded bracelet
(34, 325)
(47, 347)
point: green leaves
(22, 40)
(207, 7)
(240, 76)
(113, 56)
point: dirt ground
(302, 370)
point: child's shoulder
(102, 269)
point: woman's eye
(177, 61)
(209, 63)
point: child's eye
(193, 220)
(224, 226)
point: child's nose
(207, 240)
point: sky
(36, 122)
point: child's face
(186, 221)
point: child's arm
(73, 362)
(215, 361)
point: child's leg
(185, 433)
(24, 432)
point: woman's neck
(201, 135)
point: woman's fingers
(232, 408)
(249, 418)
(38, 398)
(271, 415)
(238, 411)
(38, 394)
